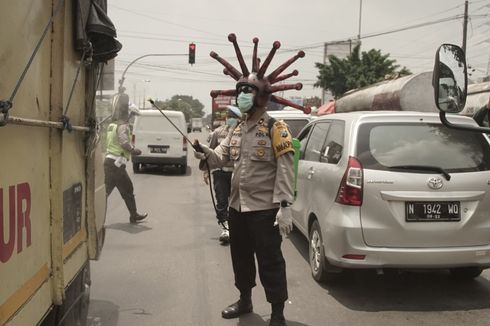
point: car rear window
(156, 124)
(380, 146)
(295, 125)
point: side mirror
(450, 84)
(450, 79)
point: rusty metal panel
(24, 178)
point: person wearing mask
(481, 116)
(118, 153)
(261, 187)
(222, 176)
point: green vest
(113, 146)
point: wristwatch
(284, 203)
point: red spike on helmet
(255, 78)
(285, 76)
(286, 64)
(255, 59)
(232, 39)
(228, 92)
(276, 45)
(285, 87)
(283, 101)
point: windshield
(295, 125)
(156, 124)
(381, 146)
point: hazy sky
(167, 26)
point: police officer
(119, 150)
(222, 176)
(262, 181)
(261, 192)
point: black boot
(277, 316)
(133, 219)
(241, 307)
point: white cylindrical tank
(478, 96)
(409, 93)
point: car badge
(434, 183)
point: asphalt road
(171, 270)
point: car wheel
(466, 273)
(318, 262)
(136, 167)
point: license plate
(158, 149)
(433, 211)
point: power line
(164, 21)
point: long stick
(173, 124)
(197, 148)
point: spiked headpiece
(257, 79)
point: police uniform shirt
(216, 137)
(263, 164)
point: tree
(356, 70)
(191, 107)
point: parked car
(393, 190)
(159, 141)
(196, 124)
(295, 119)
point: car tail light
(184, 144)
(350, 189)
(133, 139)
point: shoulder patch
(281, 138)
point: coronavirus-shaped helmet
(256, 79)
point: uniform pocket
(235, 147)
(261, 153)
(234, 153)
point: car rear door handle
(310, 173)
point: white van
(160, 143)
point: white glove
(284, 220)
(202, 156)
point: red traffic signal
(192, 53)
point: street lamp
(121, 81)
(144, 92)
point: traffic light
(192, 53)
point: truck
(196, 124)
(52, 194)
(408, 93)
(219, 105)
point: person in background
(118, 153)
(222, 175)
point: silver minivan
(393, 190)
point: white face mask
(231, 121)
(245, 101)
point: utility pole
(360, 16)
(465, 25)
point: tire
(466, 273)
(136, 167)
(318, 262)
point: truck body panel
(52, 196)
